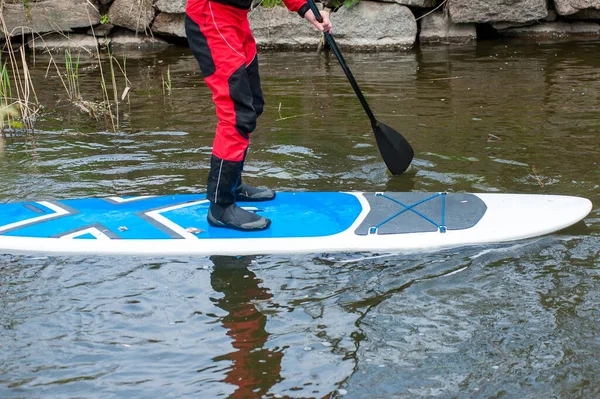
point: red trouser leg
(221, 40)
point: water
(518, 320)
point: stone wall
(384, 24)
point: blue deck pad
(114, 219)
(293, 215)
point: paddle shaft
(393, 147)
(345, 68)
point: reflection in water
(254, 369)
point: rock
(58, 43)
(369, 25)
(169, 24)
(135, 15)
(556, 30)
(585, 15)
(124, 39)
(413, 3)
(485, 11)
(50, 16)
(551, 17)
(279, 28)
(372, 25)
(101, 30)
(171, 6)
(437, 27)
(568, 7)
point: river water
(517, 320)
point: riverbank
(369, 25)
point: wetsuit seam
(218, 182)
(220, 34)
(252, 60)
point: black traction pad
(461, 211)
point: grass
(112, 60)
(72, 75)
(8, 113)
(271, 3)
(8, 117)
(127, 89)
(18, 100)
(167, 85)
(19, 106)
(17, 87)
(5, 87)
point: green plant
(335, 4)
(127, 82)
(271, 3)
(7, 111)
(27, 6)
(5, 90)
(114, 117)
(72, 74)
(17, 85)
(8, 116)
(167, 84)
(104, 19)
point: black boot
(223, 212)
(245, 192)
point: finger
(326, 22)
(318, 25)
(324, 26)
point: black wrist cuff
(303, 10)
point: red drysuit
(219, 35)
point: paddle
(395, 150)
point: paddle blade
(395, 150)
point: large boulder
(50, 16)
(171, 6)
(485, 11)
(59, 42)
(135, 15)
(568, 7)
(124, 40)
(169, 24)
(373, 25)
(277, 27)
(437, 28)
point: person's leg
(217, 43)
(246, 192)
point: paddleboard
(302, 222)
